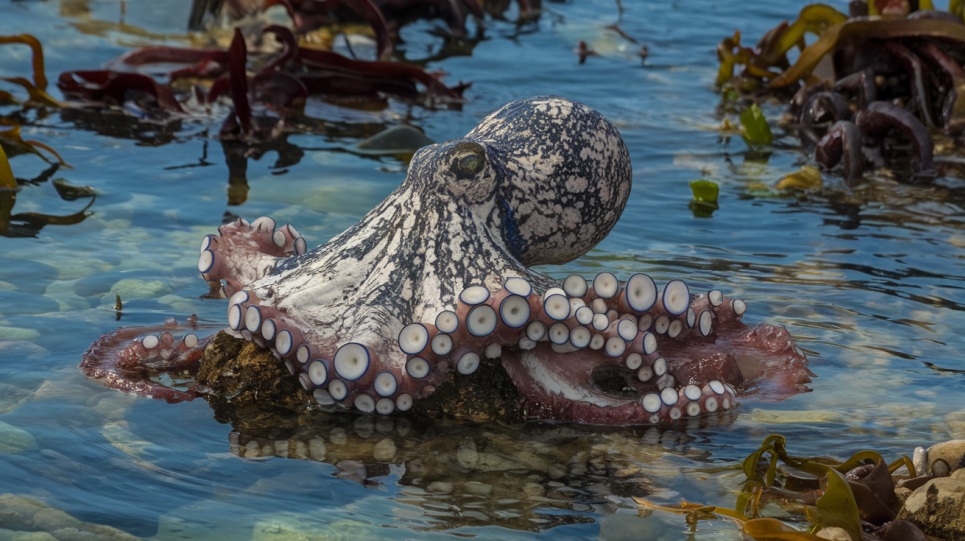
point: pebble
(132, 288)
(15, 440)
(384, 450)
(440, 487)
(466, 456)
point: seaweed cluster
(870, 92)
(12, 144)
(859, 498)
(259, 86)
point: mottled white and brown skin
(540, 181)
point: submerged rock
(248, 387)
(252, 390)
(938, 507)
(26, 518)
(15, 440)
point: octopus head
(553, 175)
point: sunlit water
(870, 285)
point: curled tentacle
(245, 252)
(129, 359)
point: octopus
(438, 279)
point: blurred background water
(869, 283)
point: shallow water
(869, 284)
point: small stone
(478, 489)
(384, 450)
(439, 487)
(556, 471)
(533, 489)
(18, 334)
(113, 406)
(131, 288)
(466, 456)
(834, 533)
(15, 440)
(920, 460)
(945, 457)
(12, 397)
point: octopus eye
(470, 165)
(470, 160)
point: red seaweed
(113, 87)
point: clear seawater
(870, 284)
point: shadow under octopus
(436, 280)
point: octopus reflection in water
(436, 280)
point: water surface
(869, 283)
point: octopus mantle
(435, 282)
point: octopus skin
(436, 279)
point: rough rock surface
(249, 388)
(938, 507)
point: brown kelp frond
(28, 224)
(37, 90)
(40, 80)
(15, 145)
(772, 49)
(7, 181)
(863, 30)
(856, 495)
